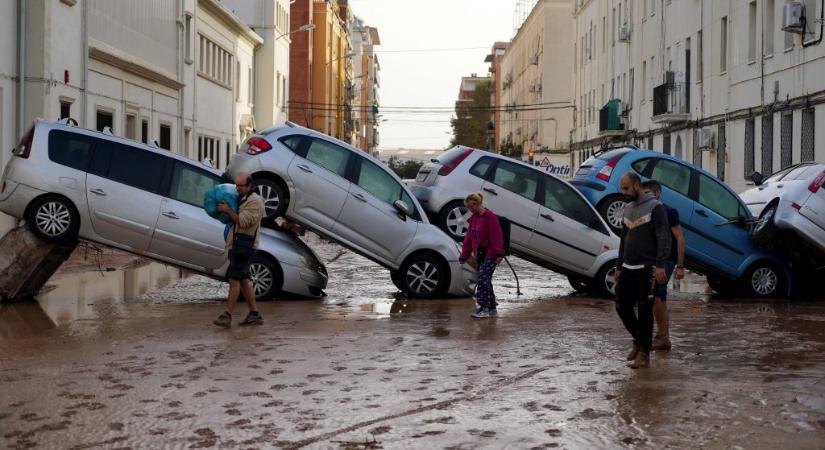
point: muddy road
(364, 368)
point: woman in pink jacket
(485, 242)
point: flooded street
(364, 369)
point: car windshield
(448, 156)
(779, 175)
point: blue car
(716, 222)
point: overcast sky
(430, 78)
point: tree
(470, 127)
(407, 169)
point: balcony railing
(670, 103)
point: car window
(378, 182)
(70, 149)
(329, 156)
(410, 205)
(641, 165)
(566, 201)
(778, 175)
(515, 178)
(803, 172)
(292, 142)
(480, 168)
(714, 196)
(190, 184)
(672, 175)
(135, 167)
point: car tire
(722, 286)
(763, 279)
(581, 285)
(274, 196)
(765, 229)
(266, 276)
(395, 276)
(423, 276)
(611, 210)
(454, 220)
(54, 219)
(605, 283)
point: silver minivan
(68, 183)
(552, 223)
(354, 199)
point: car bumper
(303, 281)
(464, 279)
(788, 218)
(593, 190)
(17, 197)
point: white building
(537, 89)
(717, 83)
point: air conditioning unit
(624, 33)
(793, 17)
(705, 139)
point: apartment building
(537, 88)
(732, 86)
(367, 80)
(494, 59)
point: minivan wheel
(274, 197)
(765, 229)
(763, 280)
(54, 219)
(423, 276)
(266, 277)
(605, 281)
(612, 210)
(455, 219)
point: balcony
(670, 103)
(610, 124)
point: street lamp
(307, 27)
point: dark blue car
(716, 222)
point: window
(104, 119)
(789, 41)
(721, 151)
(131, 126)
(714, 196)
(215, 62)
(786, 140)
(604, 34)
(65, 109)
(134, 167)
(144, 131)
(480, 168)
(238, 81)
(189, 38)
(70, 149)
(768, 26)
(767, 144)
(700, 55)
(329, 156)
(250, 92)
(752, 32)
(673, 175)
(644, 80)
(723, 46)
(750, 155)
(517, 179)
(190, 184)
(812, 14)
(632, 87)
(292, 142)
(207, 149)
(379, 183)
(165, 136)
(566, 201)
(808, 120)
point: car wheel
(612, 210)
(265, 274)
(54, 219)
(722, 286)
(765, 229)
(605, 281)
(763, 280)
(423, 276)
(455, 219)
(274, 197)
(581, 285)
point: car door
(184, 232)
(724, 246)
(565, 230)
(319, 178)
(370, 221)
(123, 192)
(511, 192)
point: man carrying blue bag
(241, 243)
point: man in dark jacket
(644, 249)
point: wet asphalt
(366, 368)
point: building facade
(731, 86)
(537, 88)
(367, 80)
(494, 58)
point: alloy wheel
(764, 281)
(458, 220)
(610, 281)
(422, 277)
(53, 219)
(615, 213)
(261, 278)
(270, 198)
(765, 220)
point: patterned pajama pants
(485, 297)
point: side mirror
(402, 208)
(757, 178)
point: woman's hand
(498, 260)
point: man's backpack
(504, 223)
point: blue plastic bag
(226, 193)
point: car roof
(642, 153)
(516, 161)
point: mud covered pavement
(363, 369)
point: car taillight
(449, 166)
(817, 183)
(607, 170)
(256, 146)
(24, 148)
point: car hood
(273, 240)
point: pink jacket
(484, 232)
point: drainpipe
(762, 60)
(821, 26)
(182, 42)
(21, 68)
(84, 29)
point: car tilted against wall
(350, 197)
(70, 183)
(553, 225)
(716, 222)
